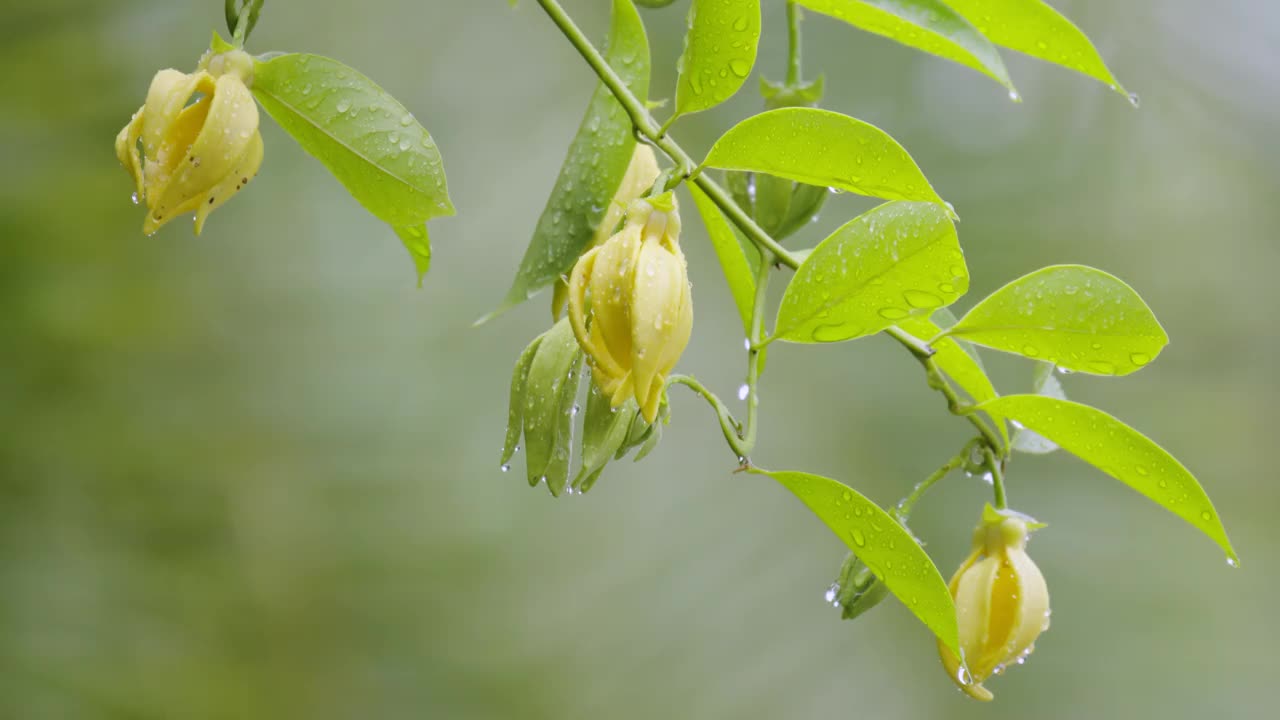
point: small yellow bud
(1002, 603)
(194, 155)
(630, 305)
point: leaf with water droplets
(593, 168)
(824, 148)
(516, 403)
(733, 261)
(897, 260)
(1119, 451)
(719, 52)
(418, 243)
(928, 25)
(1034, 28)
(367, 139)
(604, 431)
(883, 545)
(1072, 316)
(550, 391)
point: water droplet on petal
(743, 391)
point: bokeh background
(255, 474)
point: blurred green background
(255, 473)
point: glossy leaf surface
(418, 243)
(895, 261)
(1034, 28)
(928, 25)
(883, 545)
(550, 390)
(1072, 316)
(733, 261)
(824, 148)
(719, 52)
(1121, 452)
(365, 137)
(593, 169)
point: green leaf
(604, 430)
(928, 25)
(418, 243)
(824, 148)
(367, 139)
(593, 169)
(719, 51)
(1034, 28)
(733, 261)
(550, 391)
(897, 260)
(516, 404)
(1044, 381)
(1073, 316)
(887, 548)
(1121, 452)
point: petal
(640, 176)
(1033, 612)
(682, 330)
(610, 284)
(127, 150)
(168, 95)
(223, 141)
(173, 148)
(233, 183)
(656, 312)
(591, 342)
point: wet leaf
(719, 52)
(897, 260)
(928, 25)
(887, 548)
(550, 392)
(516, 404)
(824, 148)
(1044, 382)
(593, 169)
(733, 261)
(1034, 28)
(367, 139)
(418, 243)
(1072, 316)
(1121, 452)
(604, 430)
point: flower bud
(1002, 603)
(194, 155)
(636, 181)
(630, 305)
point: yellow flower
(636, 181)
(634, 291)
(194, 155)
(1002, 603)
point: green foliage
(1072, 316)
(895, 261)
(928, 25)
(879, 541)
(733, 260)
(1121, 452)
(592, 170)
(418, 243)
(604, 435)
(1043, 382)
(549, 390)
(824, 148)
(719, 52)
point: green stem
(728, 425)
(997, 479)
(793, 44)
(755, 354)
(924, 353)
(646, 126)
(902, 511)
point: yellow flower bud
(193, 155)
(1002, 603)
(633, 292)
(641, 173)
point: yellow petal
(168, 95)
(233, 183)
(610, 284)
(223, 141)
(127, 151)
(173, 149)
(656, 313)
(640, 176)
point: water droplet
(306, 89)
(1102, 367)
(1030, 351)
(740, 24)
(743, 391)
(1134, 100)
(893, 313)
(1206, 516)
(858, 538)
(1014, 96)
(963, 677)
(746, 342)
(741, 68)
(1233, 561)
(134, 197)
(921, 299)
(406, 120)
(830, 594)
(1139, 359)
(506, 467)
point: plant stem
(728, 425)
(997, 479)
(646, 126)
(793, 44)
(902, 511)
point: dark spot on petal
(211, 200)
(244, 181)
